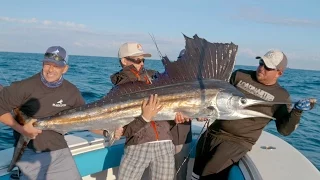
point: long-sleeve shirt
(247, 131)
(139, 131)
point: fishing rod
(154, 41)
(206, 124)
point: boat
(271, 158)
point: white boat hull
(96, 161)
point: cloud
(47, 23)
(14, 20)
(247, 52)
(34, 35)
(259, 15)
(299, 59)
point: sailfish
(195, 84)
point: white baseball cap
(275, 59)
(132, 49)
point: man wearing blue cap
(45, 94)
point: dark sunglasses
(261, 63)
(137, 61)
(54, 56)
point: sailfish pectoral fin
(23, 141)
(207, 112)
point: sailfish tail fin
(18, 151)
(22, 142)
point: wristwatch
(105, 133)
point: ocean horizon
(97, 56)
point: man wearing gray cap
(44, 94)
(226, 142)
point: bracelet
(105, 133)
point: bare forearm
(100, 132)
(8, 120)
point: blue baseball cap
(56, 55)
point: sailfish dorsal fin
(202, 60)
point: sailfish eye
(210, 108)
(243, 100)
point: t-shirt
(36, 100)
(247, 131)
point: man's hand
(151, 107)
(305, 104)
(180, 118)
(202, 119)
(30, 131)
(118, 133)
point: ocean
(91, 75)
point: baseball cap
(57, 55)
(275, 59)
(132, 49)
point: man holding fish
(226, 142)
(45, 94)
(147, 143)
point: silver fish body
(196, 85)
(217, 100)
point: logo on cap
(272, 54)
(55, 52)
(139, 47)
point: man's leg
(63, 166)
(162, 164)
(135, 160)
(57, 164)
(216, 156)
(224, 155)
(202, 156)
(181, 155)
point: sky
(99, 27)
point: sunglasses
(261, 63)
(54, 56)
(136, 61)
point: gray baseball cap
(275, 59)
(57, 55)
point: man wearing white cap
(45, 94)
(132, 57)
(148, 143)
(226, 142)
